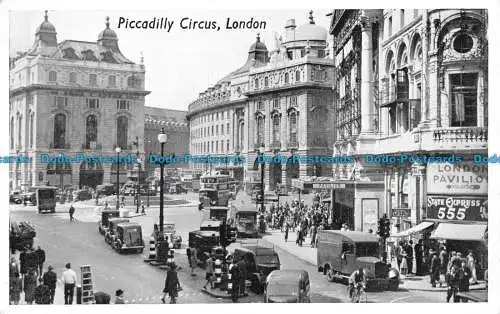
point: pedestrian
(29, 286)
(143, 208)
(22, 261)
(443, 259)
(242, 267)
(193, 261)
(13, 267)
(235, 280)
(435, 268)
(50, 279)
(313, 236)
(15, 288)
(71, 213)
(42, 293)
(172, 285)
(404, 261)
(69, 281)
(419, 254)
(119, 297)
(31, 260)
(188, 254)
(40, 256)
(471, 262)
(209, 273)
(453, 281)
(409, 256)
(287, 227)
(465, 275)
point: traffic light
(380, 228)
(223, 235)
(387, 227)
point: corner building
(74, 97)
(280, 100)
(413, 82)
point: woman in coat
(16, 286)
(29, 286)
(171, 285)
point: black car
(16, 198)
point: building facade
(175, 125)
(74, 97)
(279, 100)
(411, 83)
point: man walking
(69, 281)
(419, 255)
(235, 280)
(71, 213)
(40, 257)
(435, 268)
(50, 279)
(409, 256)
(42, 293)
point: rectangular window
(463, 107)
(227, 146)
(227, 128)
(122, 104)
(402, 19)
(389, 27)
(60, 101)
(93, 103)
(212, 131)
(392, 120)
(52, 76)
(93, 79)
(260, 106)
(222, 129)
(111, 81)
(72, 77)
(217, 130)
(276, 103)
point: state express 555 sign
(457, 208)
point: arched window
(287, 78)
(256, 84)
(60, 131)
(266, 82)
(11, 133)
(260, 130)
(241, 134)
(297, 76)
(52, 76)
(276, 128)
(293, 127)
(122, 132)
(91, 132)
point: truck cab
(110, 234)
(340, 253)
(106, 215)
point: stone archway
(91, 174)
(59, 174)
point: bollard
(170, 256)
(152, 249)
(218, 271)
(78, 294)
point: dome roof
(107, 33)
(258, 46)
(311, 31)
(46, 26)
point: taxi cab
(287, 286)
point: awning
(469, 232)
(415, 229)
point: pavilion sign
(462, 178)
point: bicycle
(358, 296)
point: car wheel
(18, 202)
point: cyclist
(356, 282)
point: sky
(179, 64)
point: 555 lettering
(452, 213)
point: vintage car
(287, 286)
(340, 253)
(106, 189)
(16, 198)
(128, 237)
(246, 222)
(260, 262)
(106, 215)
(110, 234)
(203, 241)
(82, 195)
(173, 236)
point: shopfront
(343, 207)
(457, 202)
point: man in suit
(419, 255)
(50, 279)
(409, 256)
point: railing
(461, 135)
(275, 145)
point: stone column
(424, 103)
(366, 76)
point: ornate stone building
(412, 82)
(281, 101)
(74, 97)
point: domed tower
(107, 38)
(258, 51)
(46, 35)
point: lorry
(44, 197)
(340, 253)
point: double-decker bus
(214, 190)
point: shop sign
(460, 178)
(328, 186)
(459, 208)
(400, 212)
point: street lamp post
(118, 150)
(162, 138)
(138, 183)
